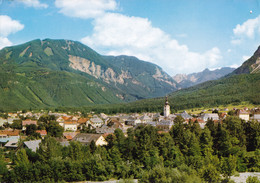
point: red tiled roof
(68, 137)
(70, 122)
(72, 134)
(10, 132)
(42, 132)
(66, 118)
(83, 120)
(29, 122)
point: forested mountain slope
(51, 73)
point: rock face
(185, 81)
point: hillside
(51, 73)
(231, 90)
(185, 81)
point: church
(166, 108)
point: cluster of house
(104, 125)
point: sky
(181, 36)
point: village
(96, 127)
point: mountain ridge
(83, 73)
(187, 80)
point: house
(86, 138)
(43, 133)
(69, 135)
(201, 122)
(70, 126)
(28, 122)
(2, 121)
(223, 115)
(60, 119)
(145, 119)
(82, 122)
(165, 125)
(95, 122)
(242, 114)
(256, 117)
(103, 116)
(132, 122)
(9, 135)
(12, 144)
(207, 116)
(184, 115)
(105, 129)
(32, 144)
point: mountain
(52, 73)
(242, 85)
(252, 65)
(185, 81)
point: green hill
(55, 73)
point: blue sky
(181, 36)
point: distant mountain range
(185, 81)
(53, 73)
(241, 85)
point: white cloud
(33, 3)
(118, 34)
(249, 28)
(245, 57)
(85, 8)
(234, 66)
(8, 26)
(4, 42)
(236, 41)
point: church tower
(166, 108)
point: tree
(93, 146)
(49, 148)
(252, 179)
(54, 129)
(3, 168)
(17, 124)
(31, 131)
(22, 166)
(75, 150)
(177, 130)
(228, 165)
(222, 143)
(211, 174)
(206, 141)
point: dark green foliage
(17, 124)
(54, 129)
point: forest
(186, 153)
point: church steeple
(166, 100)
(166, 107)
